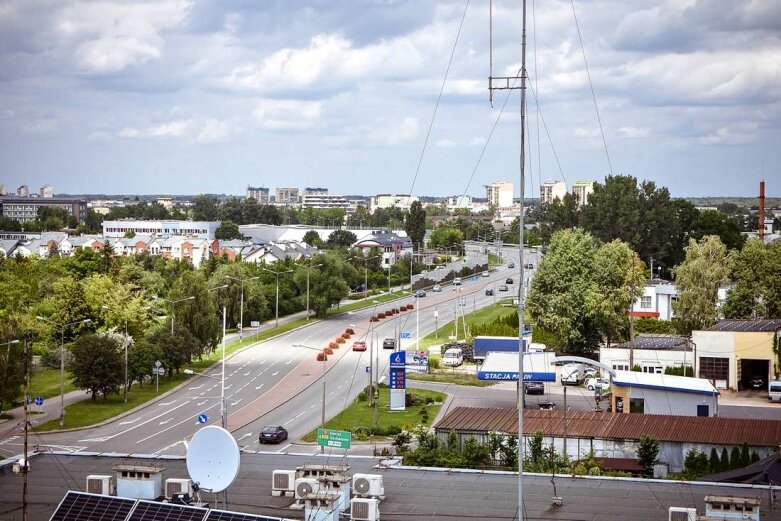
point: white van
(453, 357)
(572, 374)
(774, 391)
(457, 281)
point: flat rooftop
(410, 494)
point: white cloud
(740, 133)
(213, 131)
(203, 132)
(446, 143)
(396, 133)
(129, 133)
(273, 114)
(634, 132)
(477, 142)
(171, 129)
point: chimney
(762, 211)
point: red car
(359, 346)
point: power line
(547, 132)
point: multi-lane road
(278, 381)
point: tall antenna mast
(504, 83)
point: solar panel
(222, 515)
(80, 506)
(150, 511)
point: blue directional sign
(202, 418)
(398, 380)
(462, 302)
(405, 335)
(39, 400)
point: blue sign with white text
(398, 359)
(39, 400)
(513, 375)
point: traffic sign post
(334, 439)
(158, 370)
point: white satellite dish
(213, 458)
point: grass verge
(449, 378)
(358, 418)
(481, 316)
(45, 382)
(88, 412)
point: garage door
(715, 369)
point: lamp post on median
(366, 273)
(322, 407)
(173, 302)
(5, 372)
(223, 403)
(241, 309)
(62, 358)
(276, 307)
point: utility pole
(565, 421)
(26, 466)
(509, 83)
(241, 309)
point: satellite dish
(213, 458)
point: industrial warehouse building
(650, 393)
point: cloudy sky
(207, 96)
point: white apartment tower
(500, 194)
(258, 193)
(552, 190)
(581, 190)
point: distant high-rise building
(323, 201)
(23, 191)
(315, 191)
(25, 208)
(552, 190)
(402, 201)
(3, 190)
(500, 194)
(459, 201)
(287, 196)
(581, 190)
(47, 191)
(258, 193)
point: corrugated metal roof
(661, 342)
(603, 425)
(763, 325)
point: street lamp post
(5, 372)
(62, 358)
(322, 406)
(173, 316)
(308, 269)
(366, 273)
(223, 403)
(276, 310)
(241, 309)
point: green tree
(205, 208)
(557, 298)
(705, 268)
(199, 315)
(695, 464)
(10, 225)
(175, 350)
(312, 238)
(745, 456)
(615, 275)
(725, 227)
(97, 365)
(724, 463)
(756, 277)
(228, 230)
(256, 305)
(535, 459)
(341, 238)
(714, 465)
(444, 236)
(647, 453)
(734, 458)
(70, 305)
(107, 257)
(83, 263)
(561, 214)
(329, 280)
(415, 223)
(141, 358)
(11, 369)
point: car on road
(486, 274)
(359, 345)
(530, 266)
(441, 267)
(489, 292)
(511, 265)
(436, 289)
(534, 388)
(389, 343)
(272, 434)
(457, 281)
(592, 383)
(502, 288)
(757, 382)
(420, 293)
(509, 280)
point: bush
(434, 363)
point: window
(637, 405)
(645, 302)
(621, 366)
(714, 368)
(653, 369)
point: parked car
(511, 265)
(546, 406)
(457, 281)
(389, 343)
(486, 274)
(774, 391)
(757, 382)
(420, 293)
(509, 280)
(436, 289)
(453, 357)
(592, 383)
(359, 345)
(441, 267)
(489, 292)
(272, 434)
(502, 288)
(534, 387)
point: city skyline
(177, 97)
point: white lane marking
(200, 403)
(97, 440)
(300, 414)
(8, 440)
(259, 387)
(262, 362)
(288, 362)
(285, 447)
(195, 388)
(275, 373)
(166, 404)
(228, 386)
(312, 406)
(165, 421)
(331, 393)
(202, 393)
(290, 420)
(234, 404)
(253, 379)
(130, 421)
(171, 446)
(128, 429)
(177, 424)
(248, 434)
(248, 373)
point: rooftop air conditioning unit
(100, 484)
(682, 514)
(282, 482)
(368, 486)
(305, 486)
(363, 509)
(178, 486)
